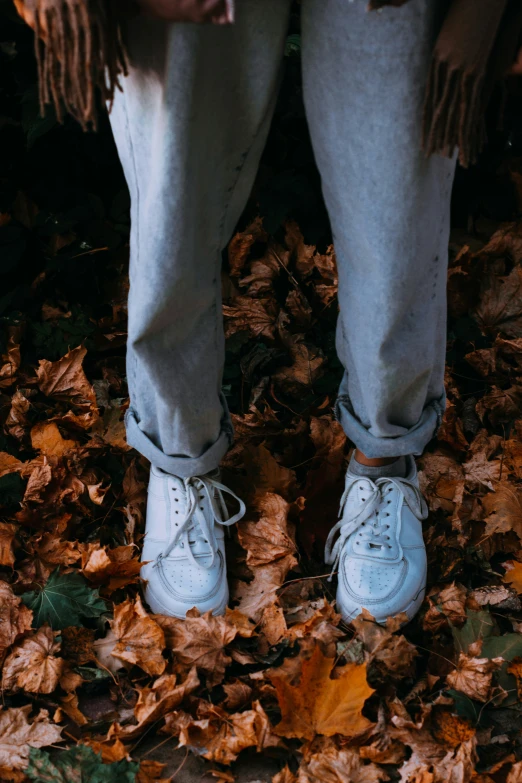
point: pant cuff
(184, 467)
(414, 441)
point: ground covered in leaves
(87, 671)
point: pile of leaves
(87, 670)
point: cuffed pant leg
(190, 126)
(364, 80)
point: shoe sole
(411, 610)
(158, 608)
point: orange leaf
(320, 705)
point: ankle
(376, 462)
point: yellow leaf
(513, 575)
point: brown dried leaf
(473, 676)
(269, 539)
(15, 618)
(394, 652)
(256, 316)
(140, 640)
(18, 735)
(199, 642)
(33, 666)
(66, 380)
(241, 244)
(332, 765)
(165, 694)
(115, 568)
(504, 510)
(46, 438)
(7, 536)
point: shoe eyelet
(177, 512)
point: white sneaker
(185, 544)
(380, 551)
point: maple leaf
(238, 694)
(220, 737)
(241, 243)
(9, 464)
(17, 419)
(320, 705)
(10, 360)
(7, 535)
(266, 473)
(64, 600)
(473, 676)
(32, 665)
(307, 366)
(15, 618)
(332, 765)
(504, 510)
(513, 575)
(500, 306)
(164, 696)
(285, 776)
(261, 592)
(65, 766)
(66, 380)
(270, 538)
(393, 651)
(140, 640)
(114, 567)
(448, 606)
(200, 642)
(256, 316)
(18, 736)
(46, 438)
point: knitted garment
(80, 48)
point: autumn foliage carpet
(87, 671)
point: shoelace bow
(376, 530)
(202, 526)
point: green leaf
(64, 600)
(464, 706)
(479, 625)
(78, 765)
(507, 646)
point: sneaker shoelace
(377, 532)
(195, 526)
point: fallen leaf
(33, 666)
(165, 695)
(504, 510)
(7, 536)
(66, 380)
(199, 642)
(333, 765)
(64, 600)
(320, 705)
(15, 618)
(114, 568)
(270, 538)
(18, 735)
(473, 676)
(513, 575)
(46, 438)
(140, 640)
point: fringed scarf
(79, 48)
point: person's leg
(190, 126)
(364, 80)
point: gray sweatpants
(190, 127)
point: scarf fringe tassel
(453, 113)
(83, 51)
